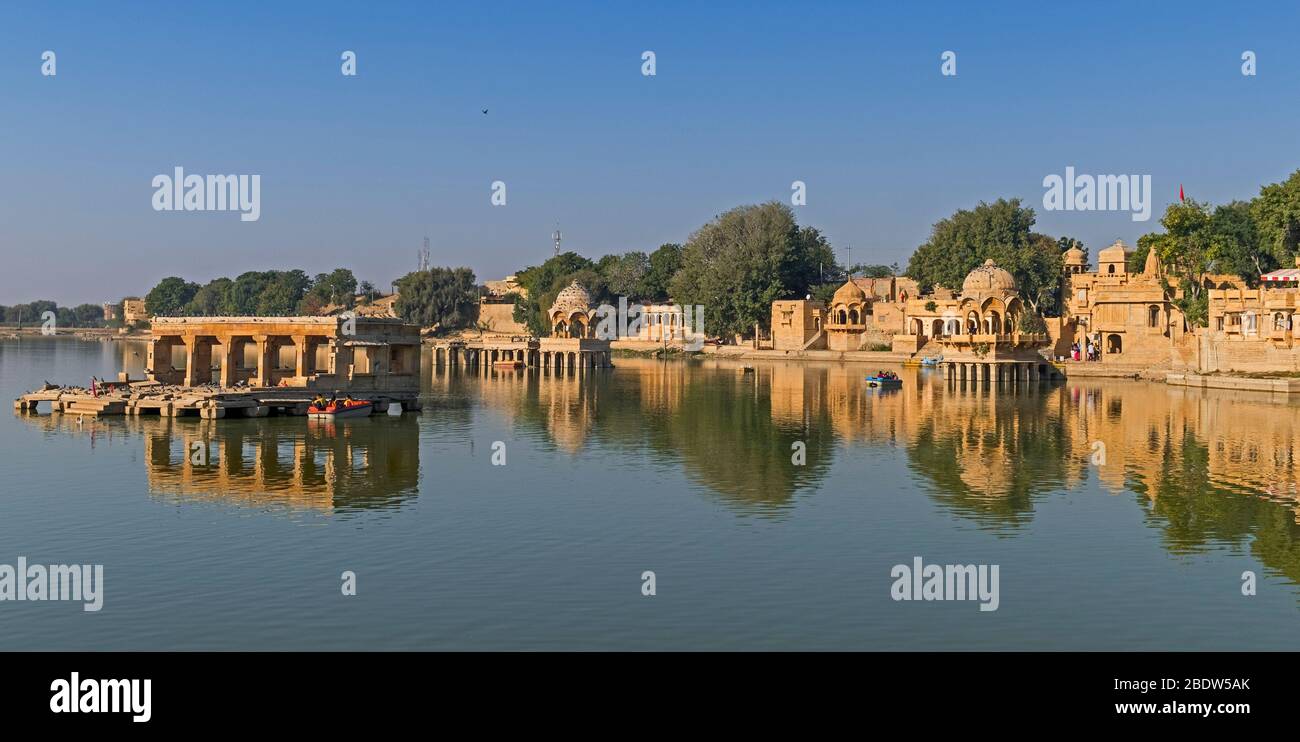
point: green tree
(1186, 252)
(212, 299)
(170, 296)
(1236, 244)
(664, 264)
(337, 288)
(1001, 232)
(245, 293)
(367, 291)
(446, 297)
(742, 261)
(966, 239)
(626, 274)
(88, 315)
(1276, 215)
(824, 292)
(283, 293)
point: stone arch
(1114, 344)
(992, 321)
(578, 325)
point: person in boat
(318, 402)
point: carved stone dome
(849, 293)
(573, 298)
(988, 279)
(1074, 256)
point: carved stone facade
(326, 353)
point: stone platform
(149, 398)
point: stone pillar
(151, 359)
(190, 356)
(343, 363)
(301, 361)
(227, 358)
(263, 377)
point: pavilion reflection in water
(984, 453)
(320, 465)
(298, 464)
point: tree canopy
(446, 297)
(1276, 215)
(664, 264)
(170, 296)
(738, 264)
(254, 293)
(1000, 231)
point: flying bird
(485, 111)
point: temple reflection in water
(296, 464)
(1208, 468)
(985, 452)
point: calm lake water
(683, 468)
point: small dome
(572, 298)
(1074, 256)
(849, 293)
(988, 279)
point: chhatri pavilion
(977, 331)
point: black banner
(210, 691)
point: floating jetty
(216, 367)
(152, 398)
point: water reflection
(294, 463)
(1211, 469)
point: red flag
(1180, 192)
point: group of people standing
(1089, 351)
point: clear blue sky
(749, 96)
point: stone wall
(1225, 352)
(795, 322)
(502, 317)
